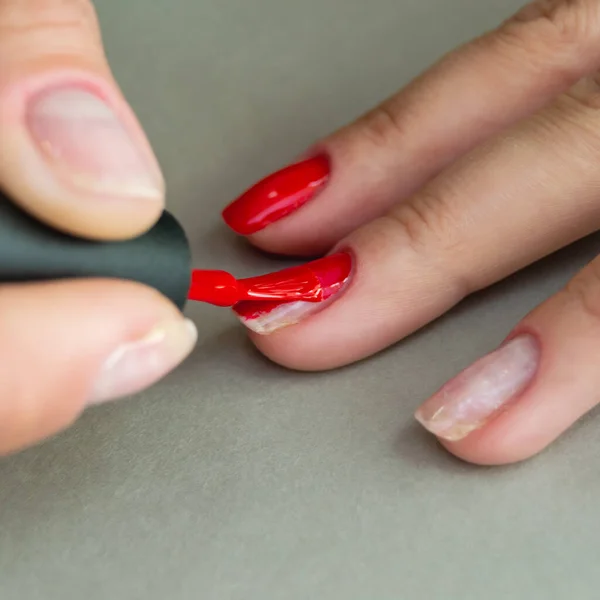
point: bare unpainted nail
(137, 365)
(88, 147)
(473, 397)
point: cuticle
(83, 81)
(523, 331)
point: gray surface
(235, 479)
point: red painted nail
(277, 195)
(313, 282)
(326, 277)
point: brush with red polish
(313, 282)
(160, 258)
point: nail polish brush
(160, 258)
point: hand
(484, 164)
(73, 155)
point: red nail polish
(308, 284)
(312, 282)
(277, 195)
(215, 287)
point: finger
(71, 150)
(503, 206)
(361, 171)
(512, 403)
(71, 344)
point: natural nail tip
(192, 332)
(429, 423)
(121, 189)
(279, 318)
(446, 432)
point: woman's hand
(73, 155)
(483, 165)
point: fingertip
(87, 342)
(281, 349)
(73, 154)
(485, 448)
(503, 440)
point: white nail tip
(278, 318)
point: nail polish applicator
(160, 258)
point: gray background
(235, 479)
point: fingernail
(332, 272)
(88, 147)
(137, 365)
(277, 195)
(473, 397)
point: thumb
(71, 151)
(70, 344)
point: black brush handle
(32, 251)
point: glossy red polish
(214, 287)
(313, 282)
(277, 195)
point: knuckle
(573, 118)
(553, 24)
(433, 229)
(383, 126)
(30, 16)
(428, 220)
(584, 289)
(414, 223)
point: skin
(63, 332)
(457, 176)
(456, 173)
